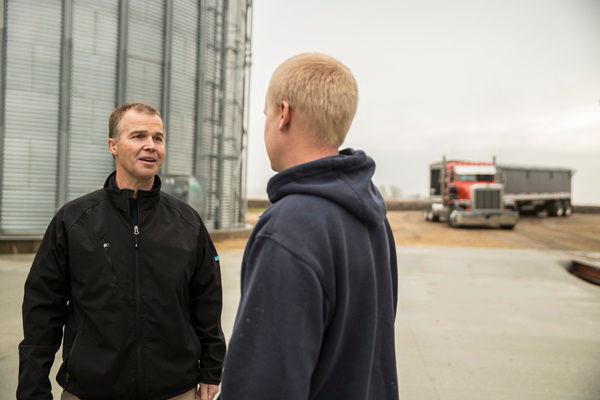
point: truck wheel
(430, 216)
(507, 227)
(452, 218)
(555, 208)
(568, 210)
(559, 209)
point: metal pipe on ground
(588, 271)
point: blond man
(319, 278)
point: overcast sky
(519, 79)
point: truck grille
(487, 198)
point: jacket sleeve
(279, 327)
(44, 313)
(206, 300)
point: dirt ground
(579, 232)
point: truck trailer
(537, 189)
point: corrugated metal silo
(67, 64)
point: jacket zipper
(136, 233)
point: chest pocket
(109, 262)
(93, 266)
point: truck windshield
(475, 178)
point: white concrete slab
(495, 324)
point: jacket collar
(147, 199)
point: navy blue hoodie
(319, 289)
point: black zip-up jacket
(140, 304)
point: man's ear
(286, 116)
(112, 146)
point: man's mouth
(148, 159)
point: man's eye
(158, 139)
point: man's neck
(307, 155)
(125, 181)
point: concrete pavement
(495, 324)
(472, 324)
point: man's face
(139, 150)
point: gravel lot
(579, 232)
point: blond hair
(114, 122)
(321, 90)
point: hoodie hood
(344, 179)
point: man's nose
(149, 144)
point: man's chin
(146, 174)
(148, 170)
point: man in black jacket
(319, 279)
(132, 276)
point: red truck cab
(467, 194)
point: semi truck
(466, 193)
